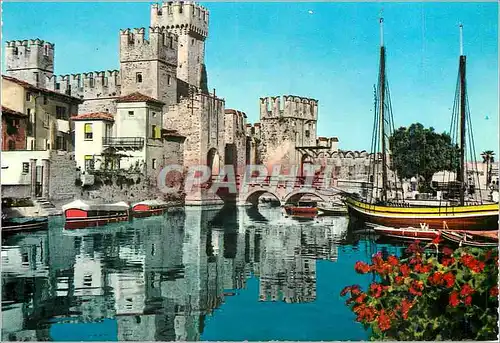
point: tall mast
(382, 110)
(461, 167)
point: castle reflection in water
(159, 277)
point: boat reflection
(159, 277)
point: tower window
(28, 96)
(307, 133)
(171, 42)
(153, 163)
(46, 50)
(138, 77)
(58, 85)
(16, 51)
(169, 80)
(153, 131)
(130, 113)
(45, 100)
(192, 41)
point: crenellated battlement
(159, 45)
(90, 85)
(181, 17)
(30, 60)
(288, 106)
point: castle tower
(190, 22)
(287, 123)
(149, 66)
(31, 61)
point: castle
(130, 117)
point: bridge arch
(254, 195)
(298, 194)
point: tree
(489, 159)
(420, 151)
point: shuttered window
(88, 131)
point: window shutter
(88, 128)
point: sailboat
(378, 208)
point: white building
(131, 139)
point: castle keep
(157, 104)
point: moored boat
(81, 214)
(302, 208)
(24, 224)
(337, 210)
(149, 208)
(460, 211)
(423, 232)
(472, 238)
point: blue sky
(267, 49)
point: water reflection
(159, 278)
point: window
(89, 162)
(130, 113)
(15, 122)
(169, 80)
(153, 131)
(58, 85)
(46, 50)
(337, 171)
(171, 42)
(37, 79)
(61, 113)
(307, 133)
(88, 132)
(28, 96)
(12, 145)
(138, 77)
(16, 51)
(153, 114)
(192, 41)
(26, 167)
(91, 81)
(60, 143)
(45, 100)
(153, 163)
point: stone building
(14, 126)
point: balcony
(123, 142)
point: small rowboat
(81, 214)
(475, 239)
(424, 233)
(302, 208)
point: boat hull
(148, 213)
(301, 211)
(336, 211)
(77, 219)
(478, 217)
(35, 225)
(409, 233)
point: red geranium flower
(360, 298)
(466, 290)
(468, 300)
(384, 321)
(494, 292)
(376, 289)
(406, 305)
(449, 279)
(399, 280)
(361, 267)
(393, 260)
(419, 268)
(416, 287)
(454, 301)
(447, 261)
(436, 278)
(404, 269)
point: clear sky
(327, 51)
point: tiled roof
(8, 111)
(138, 97)
(29, 86)
(94, 116)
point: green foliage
(447, 295)
(420, 151)
(488, 158)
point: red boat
(149, 208)
(81, 214)
(424, 233)
(302, 208)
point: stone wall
(62, 176)
(200, 118)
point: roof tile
(138, 97)
(94, 116)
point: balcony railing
(123, 142)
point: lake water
(195, 274)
